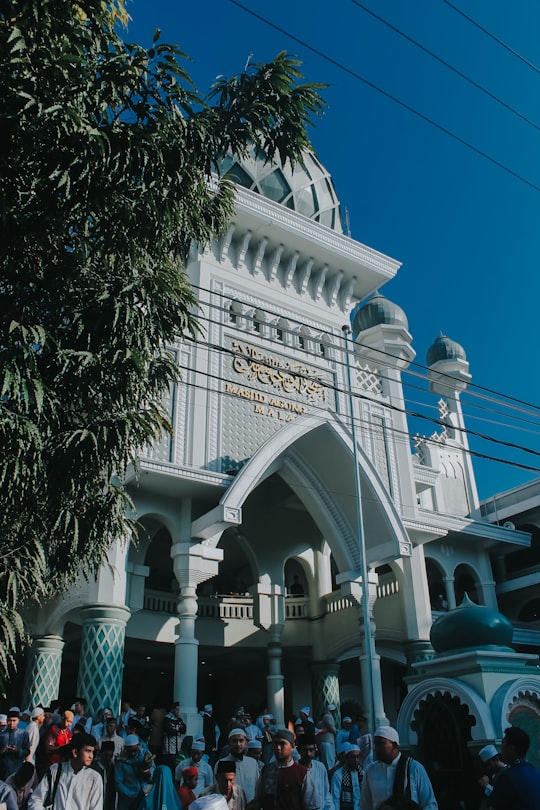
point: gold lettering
(289, 377)
(259, 409)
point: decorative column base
(417, 651)
(102, 656)
(43, 668)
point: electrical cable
(447, 64)
(387, 405)
(388, 95)
(415, 364)
(489, 34)
(405, 435)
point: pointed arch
(315, 458)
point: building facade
(290, 458)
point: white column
(193, 564)
(274, 680)
(370, 662)
(269, 614)
(450, 592)
(186, 658)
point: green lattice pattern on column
(101, 665)
(326, 690)
(42, 678)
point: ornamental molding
(251, 203)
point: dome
(471, 626)
(378, 310)
(307, 189)
(443, 348)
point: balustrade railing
(230, 607)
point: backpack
(401, 791)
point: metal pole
(368, 642)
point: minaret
(383, 340)
(448, 373)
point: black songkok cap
(226, 766)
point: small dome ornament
(376, 312)
(444, 348)
(471, 627)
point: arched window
(466, 582)
(437, 591)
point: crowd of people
(63, 759)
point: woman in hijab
(162, 795)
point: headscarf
(163, 795)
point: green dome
(378, 310)
(471, 627)
(443, 348)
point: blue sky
(466, 231)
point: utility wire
(405, 435)
(447, 64)
(415, 364)
(364, 397)
(315, 359)
(489, 34)
(388, 95)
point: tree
(104, 185)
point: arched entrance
(443, 726)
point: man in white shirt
(206, 775)
(380, 782)
(72, 785)
(111, 736)
(247, 770)
(37, 720)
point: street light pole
(368, 641)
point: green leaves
(103, 189)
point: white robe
(76, 791)
(378, 784)
(335, 790)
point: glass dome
(307, 189)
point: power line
(405, 435)
(447, 64)
(415, 364)
(389, 406)
(388, 95)
(492, 36)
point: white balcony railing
(230, 607)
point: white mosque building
(291, 464)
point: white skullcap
(214, 801)
(37, 712)
(344, 748)
(198, 745)
(254, 744)
(388, 733)
(208, 707)
(488, 752)
(237, 732)
(14, 709)
(331, 707)
(3, 719)
(131, 739)
(306, 710)
(347, 720)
